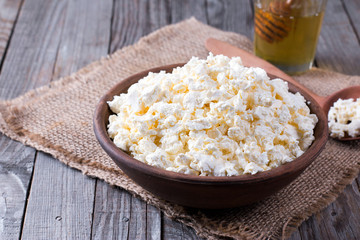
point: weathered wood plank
(121, 216)
(111, 213)
(18, 76)
(60, 202)
(31, 55)
(16, 165)
(295, 235)
(180, 10)
(8, 13)
(153, 223)
(85, 35)
(134, 19)
(137, 221)
(130, 21)
(175, 230)
(233, 15)
(352, 8)
(338, 47)
(67, 211)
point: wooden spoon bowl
(205, 191)
(327, 102)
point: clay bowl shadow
(203, 191)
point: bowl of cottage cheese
(210, 133)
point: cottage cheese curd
(344, 118)
(212, 117)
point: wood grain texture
(19, 74)
(338, 47)
(181, 10)
(16, 165)
(352, 8)
(118, 215)
(153, 223)
(8, 13)
(32, 52)
(84, 37)
(231, 15)
(295, 235)
(130, 21)
(176, 230)
(111, 214)
(134, 19)
(60, 202)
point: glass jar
(286, 32)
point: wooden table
(43, 40)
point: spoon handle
(250, 60)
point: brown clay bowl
(204, 191)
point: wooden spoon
(219, 47)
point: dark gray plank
(121, 216)
(153, 223)
(137, 220)
(180, 10)
(352, 8)
(231, 15)
(112, 216)
(31, 55)
(8, 13)
(85, 35)
(176, 230)
(295, 235)
(67, 211)
(18, 76)
(16, 162)
(134, 19)
(338, 47)
(60, 202)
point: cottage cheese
(212, 117)
(344, 118)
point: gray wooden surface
(42, 40)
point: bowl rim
(284, 170)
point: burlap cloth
(57, 119)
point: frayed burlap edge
(9, 127)
(293, 223)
